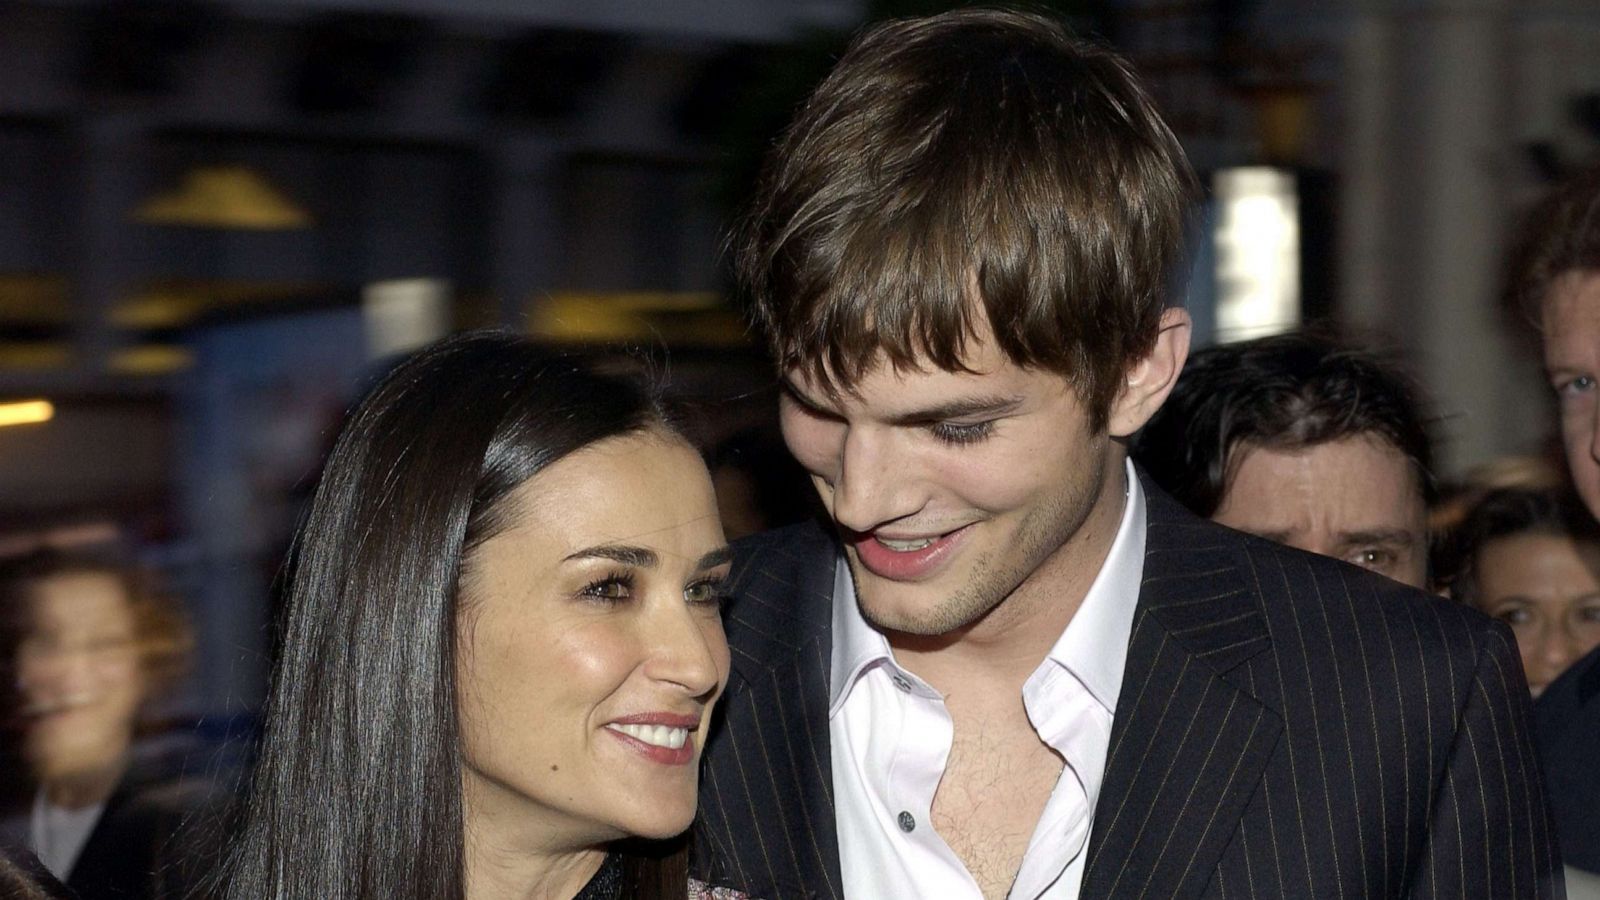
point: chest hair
(994, 790)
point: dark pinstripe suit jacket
(1289, 726)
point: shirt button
(905, 688)
(907, 822)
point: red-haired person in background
(94, 643)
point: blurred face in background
(80, 675)
(1571, 326)
(1545, 587)
(1358, 499)
(592, 648)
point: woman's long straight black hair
(357, 791)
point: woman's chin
(662, 824)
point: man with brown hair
(1012, 668)
(1558, 282)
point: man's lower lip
(907, 565)
(663, 755)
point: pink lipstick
(660, 737)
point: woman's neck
(510, 873)
(517, 850)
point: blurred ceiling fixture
(150, 359)
(26, 412)
(230, 196)
(690, 317)
(1258, 252)
(403, 314)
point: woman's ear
(1151, 379)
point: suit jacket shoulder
(1294, 726)
(1288, 726)
(766, 820)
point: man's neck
(85, 787)
(1003, 648)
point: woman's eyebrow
(717, 557)
(622, 553)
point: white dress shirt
(890, 736)
(58, 834)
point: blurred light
(402, 315)
(157, 309)
(1258, 252)
(65, 537)
(35, 355)
(35, 299)
(150, 359)
(690, 317)
(26, 412)
(225, 197)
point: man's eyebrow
(966, 407)
(794, 393)
(1398, 536)
(627, 555)
(963, 408)
(718, 557)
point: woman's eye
(707, 592)
(1515, 615)
(958, 433)
(611, 588)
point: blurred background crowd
(218, 220)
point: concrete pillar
(1426, 202)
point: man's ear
(1150, 380)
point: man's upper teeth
(656, 735)
(905, 546)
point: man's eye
(1372, 558)
(1572, 387)
(957, 433)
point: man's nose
(875, 483)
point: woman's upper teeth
(655, 735)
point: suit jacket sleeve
(1489, 833)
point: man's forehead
(1573, 301)
(1351, 468)
(915, 382)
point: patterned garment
(1290, 726)
(699, 890)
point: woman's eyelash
(615, 586)
(714, 588)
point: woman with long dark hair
(502, 644)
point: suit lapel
(1187, 745)
(770, 786)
